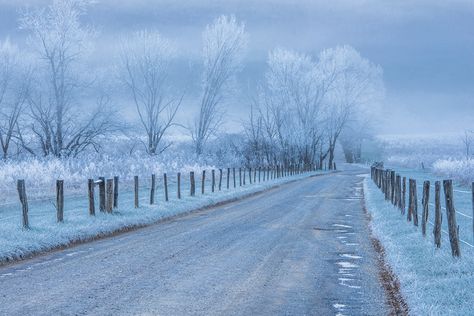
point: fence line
(108, 189)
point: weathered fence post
(165, 180)
(404, 195)
(135, 182)
(60, 200)
(110, 195)
(392, 186)
(203, 181)
(413, 206)
(152, 189)
(250, 175)
(220, 179)
(233, 175)
(116, 191)
(425, 203)
(451, 215)
(179, 185)
(213, 183)
(472, 189)
(243, 181)
(24, 202)
(255, 175)
(193, 184)
(90, 193)
(240, 177)
(228, 178)
(102, 194)
(438, 215)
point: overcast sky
(426, 48)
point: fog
(424, 47)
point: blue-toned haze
(426, 48)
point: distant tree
(14, 87)
(467, 140)
(144, 68)
(355, 91)
(60, 42)
(224, 42)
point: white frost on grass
(432, 282)
(45, 233)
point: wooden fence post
(135, 182)
(413, 202)
(152, 189)
(425, 202)
(259, 170)
(60, 200)
(250, 175)
(90, 191)
(193, 184)
(165, 180)
(213, 182)
(451, 215)
(116, 191)
(438, 215)
(228, 178)
(220, 179)
(255, 175)
(404, 195)
(240, 177)
(243, 181)
(24, 202)
(102, 194)
(110, 195)
(179, 185)
(392, 187)
(203, 181)
(233, 174)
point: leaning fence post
(165, 180)
(152, 189)
(220, 179)
(203, 181)
(60, 200)
(116, 191)
(24, 202)
(425, 202)
(102, 194)
(451, 215)
(413, 203)
(438, 215)
(110, 195)
(90, 189)
(193, 184)
(135, 181)
(179, 185)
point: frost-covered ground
(432, 282)
(45, 233)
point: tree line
(302, 108)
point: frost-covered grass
(45, 233)
(460, 170)
(432, 282)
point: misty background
(424, 47)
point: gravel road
(299, 249)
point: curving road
(300, 249)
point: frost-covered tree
(355, 92)
(223, 46)
(144, 68)
(14, 87)
(60, 41)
